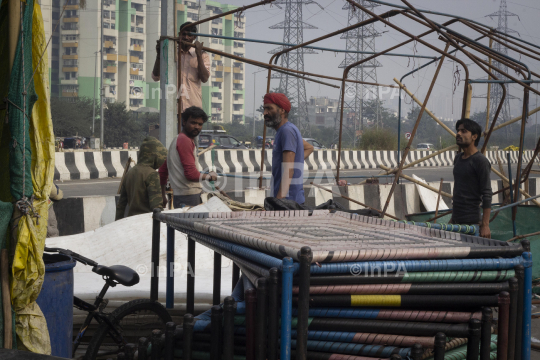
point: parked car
(316, 145)
(208, 137)
(425, 146)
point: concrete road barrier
(77, 164)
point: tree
(72, 118)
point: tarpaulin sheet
(33, 142)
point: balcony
(69, 82)
(237, 70)
(122, 58)
(71, 20)
(237, 81)
(69, 94)
(218, 80)
(134, 59)
(70, 44)
(111, 57)
(109, 44)
(70, 69)
(70, 57)
(110, 69)
(219, 68)
(133, 71)
(72, 7)
(136, 47)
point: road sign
(408, 135)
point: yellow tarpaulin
(28, 268)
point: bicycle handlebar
(74, 255)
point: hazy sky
(333, 17)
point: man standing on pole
(195, 69)
(289, 150)
(472, 183)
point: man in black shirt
(472, 185)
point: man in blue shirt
(289, 151)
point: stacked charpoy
(326, 285)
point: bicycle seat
(120, 273)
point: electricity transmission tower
(293, 33)
(359, 39)
(496, 90)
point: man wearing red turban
(289, 151)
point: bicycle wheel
(133, 320)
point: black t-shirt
(472, 187)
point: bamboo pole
(516, 119)
(413, 132)
(445, 194)
(207, 149)
(393, 171)
(354, 201)
(523, 236)
(521, 191)
(438, 200)
(427, 110)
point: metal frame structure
(450, 37)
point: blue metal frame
(527, 306)
(286, 308)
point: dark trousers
(180, 201)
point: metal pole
(94, 103)
(101, 87)
(511, 189)
(254, 97)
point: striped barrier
(81, 164)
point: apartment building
(224, 93)
(322, 111)
(124, 44)
(130, 31)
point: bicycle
(115, 329)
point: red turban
(278, 99)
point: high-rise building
(223, 95)
(130, 31)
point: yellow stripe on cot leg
(375, 300)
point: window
(237, 86)
(113, 15)
(55, 52)
(234, 142)
(224, 140)
(55, 40)
(135, 77)
(113, 26)
(106, 14)
(56, 15)
(132, 18)
(106, 25)
(204, 140)
(139, 30)
(70, 62)
(66, 76)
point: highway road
(109, 186)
